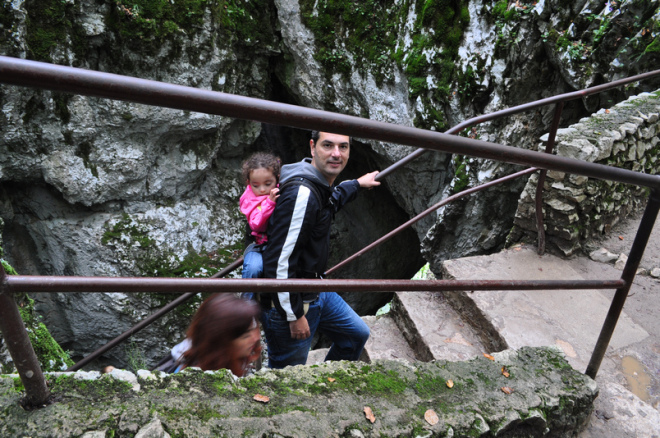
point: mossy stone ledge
(526, 392)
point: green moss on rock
(92, 390)
(129, 236)
(51, 356)
(197, 403)
(370, 34)
(143, 25)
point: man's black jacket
(299, 232)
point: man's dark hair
(317, 134)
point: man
(298, 247)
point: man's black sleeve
(344, 193)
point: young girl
(261, 172)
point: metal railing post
(19, 346)
(539, 186)
(628, 275)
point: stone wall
(528, 392)
(577, 208)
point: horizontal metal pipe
(560, 98)
(35, 283)
(91, 83)
(550, 100)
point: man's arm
(348, 190)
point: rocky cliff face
(98, 187)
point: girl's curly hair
(261, 160)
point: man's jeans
(332, 316)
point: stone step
(568, 319)
(433, 329)
(386, 341)
(317, 356)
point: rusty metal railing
(72, 80)
(19, 346)
(559, 101)
(150, 319)
(98, 84)
(426, 212)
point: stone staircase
(420, 326)
(458, 326)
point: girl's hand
(274, 194)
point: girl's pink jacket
(257, 209)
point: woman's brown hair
(220, 319)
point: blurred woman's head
(224, 334)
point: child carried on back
(261, 172)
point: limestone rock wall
(517, 53)
(97, 187)
(577, 208)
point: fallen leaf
(369, 414)
(505, 372)
(568, 348)
(458, 339)
(507, 390)
(331, 379)
(431, 417)
(261, 398)
(488, 356)
(450, 383)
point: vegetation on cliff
(51, 356)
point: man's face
(330, 154)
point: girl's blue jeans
(332, 316)
(253, 263)
(253, 266)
